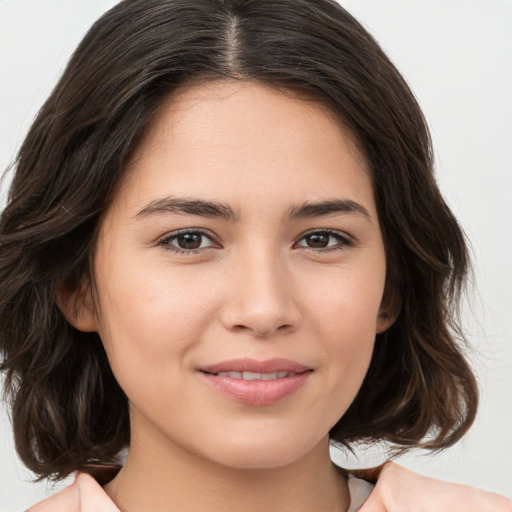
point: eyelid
(345, 240)
(164, 241)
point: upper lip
(255, 366)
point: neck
(171, 478)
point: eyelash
(166, 242)
(343, 240)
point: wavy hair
(68, 410)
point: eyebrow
(186, 206)
(330, 207)
(202, 208)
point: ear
(384, 321)
(77, 306)
(390, 305)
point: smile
(255, 375)
(252, 382)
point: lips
(254, 375)
(251, 365)
(256, 382)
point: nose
(261, 300)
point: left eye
(323, 240)
(188, 241)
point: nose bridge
(260, 300)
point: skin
(261, 284)
(156, 332)
(397, 489)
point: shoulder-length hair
(67, 408)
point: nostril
(262, 330)
(258, 318)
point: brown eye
(317, 240)
(187, 241)
(328, 240)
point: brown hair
(68, 410)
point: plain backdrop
(457, 57)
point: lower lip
(256, 392)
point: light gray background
(456, 55)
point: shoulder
(84, 495)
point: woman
(237, 197)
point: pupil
(318, 240)
(189, 241)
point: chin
(263, 453)
(258, 460)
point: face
(240, 273)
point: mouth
(254, 375)
(254, 382)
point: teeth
(258, 376)
(254, 375)
(234, 375)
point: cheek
(151, 316)
(346, 319)
(346, 303)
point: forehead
(229, 138)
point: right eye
(187, 241)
